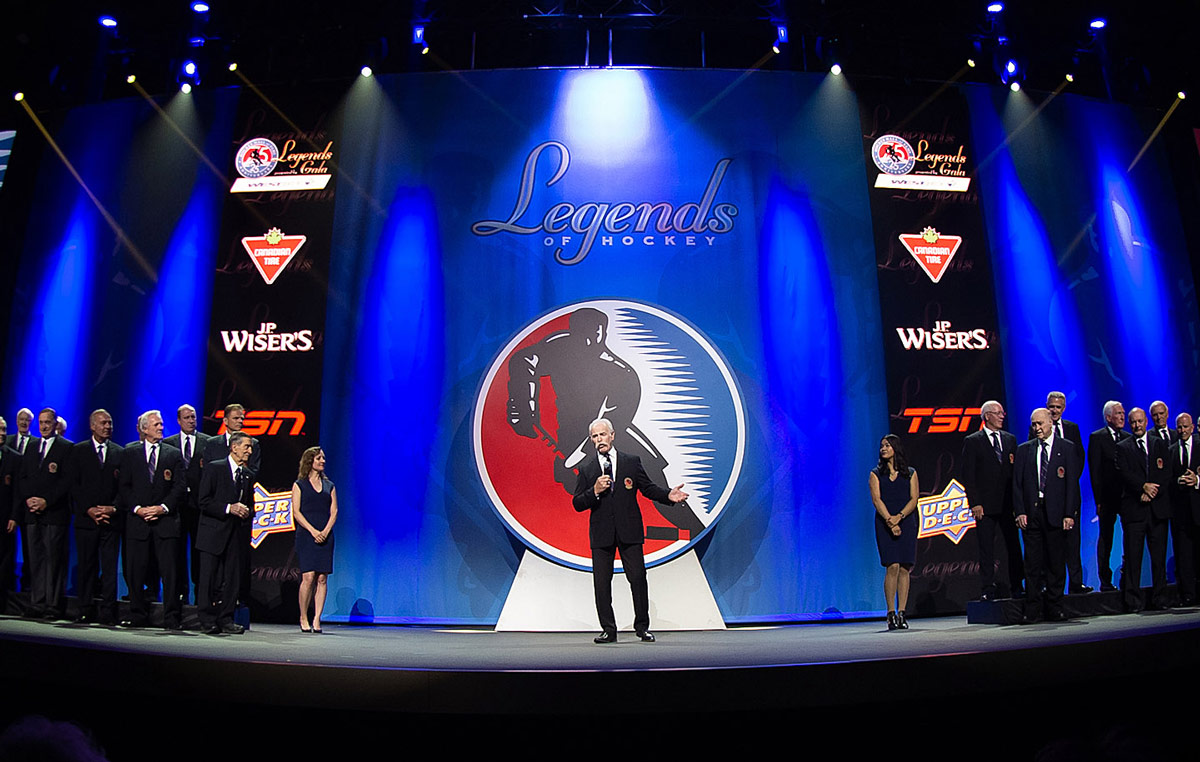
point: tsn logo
(941, 420)
(259, 422)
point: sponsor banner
(938, 309)
(267, 322)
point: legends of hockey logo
(932, 250)
(671, 399)
(272, 252)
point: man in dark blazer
(94, 466)
(608, 485)
(1106, 485)
(987, 463)
(1046, 501)
(226, 506)
(1184, 491)
(216, 449)
(1056, 403)
(152, 492)
(19, 440)
(46, 504)
(191, 444)
(1161, 418)
(1143, 463)
(10, 469)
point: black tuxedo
(1144, 523)
(158, 538)
(221, 541)
(12, 441)
(1185, 518)
(217, 448)
(48, 479)
(1106, 491)
(1172, 435)
(10, 471)
(97, 545)
(190, 508)
(1045, 541)
(615, 523)
(987, 479)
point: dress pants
(1183, 537)
(1104, 545)
(164, 551)
(635, 572)
(1074, 561)
(1045, 563)
(220, 577)
(96, 551)
(1150, 532)
(48, 568)
(986, 529)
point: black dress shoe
(84, 619)
(173, 626)
(1107, 587)
(135, 623)
(211, 630)
(893, 623)
(987, 596)
(232, 628)
(605, 637)
(646, 636)
(901, 622)
(1081, 589)
(1056, 616)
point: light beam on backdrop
(606, 114)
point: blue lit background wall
(1094, 292)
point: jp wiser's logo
(573, 229)
(941, 337)
(264, 167)
(932, 250)
(265, 339)
(946, 514)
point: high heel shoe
(901, 622)
(893, 623)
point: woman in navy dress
(315, 506)
(894, 491)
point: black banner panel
(266, 335)
(938, 309)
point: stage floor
(940, 667)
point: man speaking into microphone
(608, 485)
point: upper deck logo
(669, 394)
(946, 514)
(257, 158)
(932, 250)
(272, 513)
(272, 252)
(894, 155)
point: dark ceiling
(60, 56)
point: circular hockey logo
(893, 155)
(257, 158)
(668, 393)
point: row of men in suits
(988, 475)
(154, 497)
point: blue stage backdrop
(698, 209)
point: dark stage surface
(939, 684)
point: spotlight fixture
(835, 70)
(1098, 23)
(18, 96)
(1181, 95)
(1070, 77)
(185, 88)
(233, 66)
(971, 62)
(1011, 66)
(418, 35)
(131, 79)
(1015, 86)
(199, 7)
(775, 47)
(197, 42)
(781, 33)
(108, 21)
(995, 7)
(366, 71)
(189, 68)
